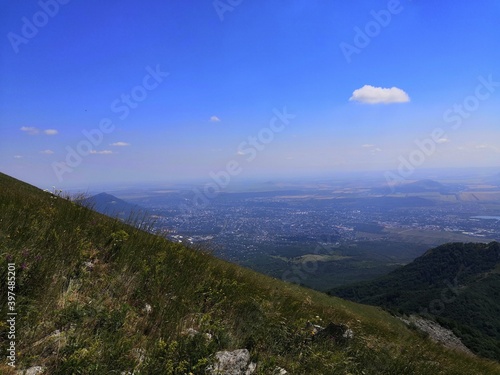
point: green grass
(97, 296)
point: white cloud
(372, 148)
(443, 140)
(103, 152)
(30, 130)
(488, 147)
(120, 144)
(375, 95)
(17, 156)
(214, 119)
(47, 152)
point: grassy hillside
(95, 296)
(457, 284)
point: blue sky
(202, 78)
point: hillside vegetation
(456, 284)
(97, 296)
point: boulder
(236, 362)
(35, 370)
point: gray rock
(437, 333)
(348, 334)
(35, 370)
(232, 363)
(251, 368)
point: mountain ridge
(108, 204)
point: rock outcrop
(236, 362)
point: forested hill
(456, 284)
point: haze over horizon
(94, 93)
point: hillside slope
(457, 284)
(96, 296)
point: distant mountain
(456, 284)
(110, 205)
(422, 186)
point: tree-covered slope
(457, 284)
(96, 296)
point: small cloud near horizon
(47, 152)
(103, 152)
(120, 144)
(17, 156)
(214, 119)
(486, 146)
(372, 148)
(30, 130)
(375, 95)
